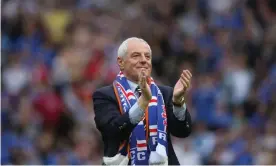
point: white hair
(122, 50)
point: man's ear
(121, 63)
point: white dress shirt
(136, 113)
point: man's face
(138, 57)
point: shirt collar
(132, 85)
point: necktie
(138, 91)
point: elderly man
(135, 116)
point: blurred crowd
(54, 54)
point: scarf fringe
(159, 157)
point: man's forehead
(138, 46)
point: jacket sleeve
(177, 128)
(108, 118)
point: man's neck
(132, 85)
(136, 81)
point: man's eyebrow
(135, 52)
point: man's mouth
(142, 67)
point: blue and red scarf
(145, 146)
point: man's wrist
(143, 104)
(135, 114)
(178, 102)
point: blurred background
(54, 54)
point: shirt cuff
(135, 114)
(179, 112)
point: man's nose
(143, 59)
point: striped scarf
(145, 146)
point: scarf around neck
(147, 143)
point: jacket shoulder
(165, 89)
(104, 91)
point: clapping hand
(145, 89)
(181, 87)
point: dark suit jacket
(116, 128)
